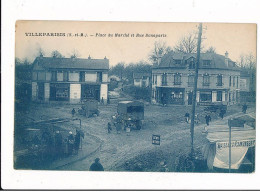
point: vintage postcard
(135, 97)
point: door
(190, 94)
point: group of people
(196, 119)
(71, 143)
(119, 125)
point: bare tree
(187, 44)
(158, 51)
(56, 54)
(250, 61)
(211, 49)
(40, 52)
(75, 54)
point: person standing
(73, 112)
(58, 144)
(109, 127)
(207, 118)
(77, 141)
(70, 143)
(96, 166)
(244, 108)
(187, 117)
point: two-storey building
(69, 79)
(173, 79)
(142, 79)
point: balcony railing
(177, 83)
(205, 83)
(220, 83)
(164, 83)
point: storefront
(168, 95)
(89, 91)
(59, 92)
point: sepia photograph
(135, 97)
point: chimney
(89, 57)
(226, 59)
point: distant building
(173, 79)
(142, 79)
(247, 85)
(69, 79)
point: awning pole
(229, 161)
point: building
(69, 79)
(247, 85)
(173, 79)
(142, 79)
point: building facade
(69, 79)
(173, 79)
(142, 79)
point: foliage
(159, 50)
(187, 44)
(139, 93)
(56, 54)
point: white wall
(74, 77)
(104, 77)
(103, 92)
(59, 76)
(34, 90)
(90, 77)
(75, 92)
(46, 91)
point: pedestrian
(187, 117)
(102, 101)
(109, 127)
(77, 141)
(128, 129)
(244, 108)
(222, 113)
(96, 166)
(58, 144)
(73, 112)
(70, 143)
(207, 118)
(108, 100)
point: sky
(131, 46)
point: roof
(220, 133)
(217, 61)
(140, 75)
(71, 63)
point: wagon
(131, 112)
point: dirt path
(168, 122)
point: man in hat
(96, 166)
(70, 143)
(58, 143)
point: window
(34, 75)
(205, 97)
(206, 80)
(234, 82)
(229, 81)
(54, 76)
(65, 76)
(99, 76)
(82, 76)
(191, 80)
(177, 79)
(206, 62)
(192, 65)
(219, 80)
(177, 61)
(237, 81)
(133, 109)
(219, 95)
(164, 79)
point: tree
(158, 51)
(211, 50)
(75, 54)
(40, 52)
(56, 54)
(187, 44)
(118, 70)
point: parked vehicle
(89, 108)
(131, 113)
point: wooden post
(229, 158)
(195, 87)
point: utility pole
(195, 88)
